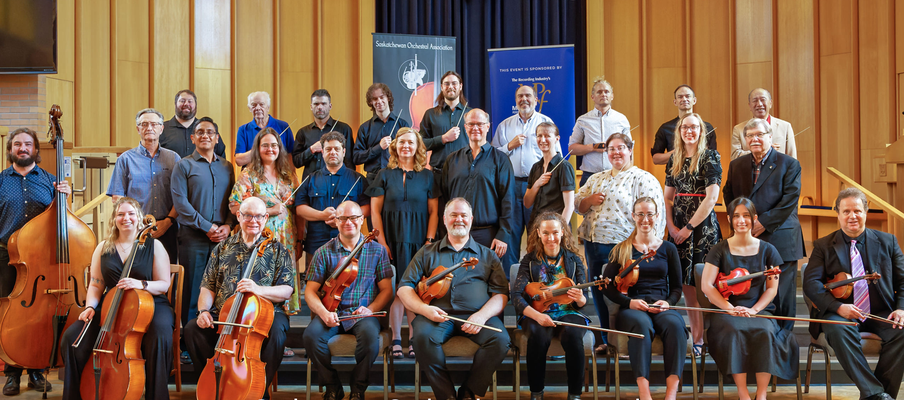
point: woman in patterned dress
(693, 177)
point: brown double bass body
(50, 286)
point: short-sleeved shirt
(367, 148)
(611, 222)
(472, 287)
(178, 138)
(373, 266)
(23, 198)
(227, 264)
(201, 191)
(435, 123)
(310, 134)
(324, 189)
(145, 179)
(525, 156)
(665, 137)
(549, 197)
(595, 127)
(244, 138)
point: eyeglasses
(353, 218)
(475, 124)
(692, 128)
(451, 84)
(253, 217)
(617, 148)
(208, 133)
(756, 135)
(269, 145)
(145, 125)
(643, 216)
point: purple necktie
(861, 290)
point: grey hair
(477, 110)
(265, 94)
(768, 95)
(457, 200)
(148, 111)
(753, 123)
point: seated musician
(150, 272)
(272, 279)
(645, 306)
(747, 345)
(371, 291)
(856, 250)
(479, 294)
(552, 256)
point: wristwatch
(144, 285)
(170, 218)
(689, 226)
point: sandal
(397, 354)
(410, 351)
(602, 349)
(697, 350)
(288, 352)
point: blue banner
(549, 69)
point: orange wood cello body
(440, 280)
(245, 322)
(737, 282)
(542, 296)
(343, 276)
(50, 286)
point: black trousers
(7, 282)
(201, 343)
(156, 348)
(845, 340)
(429, 337)
(316, 341)
(668, 325)
(786, 299)
(194, 251)
(170, 242)
(538, 340)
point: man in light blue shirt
(143, 173)
(516, 136)
(592, 129)
(259, 105)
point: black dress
(750, 345)
(156, 345)
(405, 212)
(705, 235)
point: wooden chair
(174, 295)
(457, 346)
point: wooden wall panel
(132, 68)
(297, 67)
(172, 53)
(623, 56)
(366, 25)
(213, 65)
(753, 49)
(65, 41)
(254, 57)
(340, 60)
(62, 92)
(92, 73)
(214, 86)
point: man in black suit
(872, 251)
(772, 181)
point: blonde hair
(113, 231)
(621, 253)
(420, 156)
(680, 152)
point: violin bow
(778, 317)
(292, 196)
(376, 314)
(564, 158)
(350, 191)
(593, 328)
(392, 131)
(878, 318)
(335, 122)
(472, 323)
(463, 112)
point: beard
(20, 161)
(459, 232)
(186, 115)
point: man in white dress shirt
(592, 129)
(760, 102)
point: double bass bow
(116, 360)
(48, 283)
(737, 282)
(439, 282)
(236, 371)
(344, 275)
(543, 296)
(628, 275)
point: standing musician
(150, 272)
(308, 138)
(552, 256)
(479, 295)
(441, 125)
(550, 183)
(747, 345)
(372, 145)
(26, 190)
(593, 129)
(856, 250)
(371, 291)
(272, 279)
(658, 284)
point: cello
(48, 283)
(116, 360)
(439, 282)
(236, 371)
(343, 276)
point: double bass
(236, 371)
(344, 275)
(50, 285)
(116, 369)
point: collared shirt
(471, 288)
(549, 197)
(373, 267)
(435, 123)
(244, 138)
(486, 182)
(324, 189)
(611, 222)
(227, 264)
(201, 191)
(145, 178)
(367, 146)
(310, 134)
(596, 127)
(665, 137)
(23, 198)
(525, 156)
(178, 138)
(876, 304)
(757, 166)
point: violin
(439, 282)
(116, 361)
(628, 275)
(842, 285)
(737, 282)
(543, 296)
(345, 274)
(236, 371)
(49, 284)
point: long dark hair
(740, 201)
(284, 168)
(535, 245)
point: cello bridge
(103, 351)
(227, 352)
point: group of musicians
(455, 284)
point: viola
(116, 361)
(737, 282)
(627, 276)
(439, 282)
(343, 276)
(50, 286)
(842, 285)
(236, 371)
(543, 296)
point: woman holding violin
(552, 260)
(150, 271)
(646, 279)
(747, 345)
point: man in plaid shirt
(371, 291)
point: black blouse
(659, 278)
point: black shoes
(536, 395)
(12, 386)
(880, 396)
(465, 394)
(574, 397)
(37, 382)
(356, 396)
(335, 394)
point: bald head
(349, 220)
(348, 208)
(253, 205)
